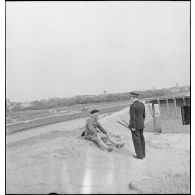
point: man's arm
(101, 128)
(144, 113)
(132, 117)
(91, 127)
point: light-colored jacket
(92, 127)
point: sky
(63, 49)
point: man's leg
(137, 143)
(142, 142)
(106, 137)
(99, 142)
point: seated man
(91, 133)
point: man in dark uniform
(136, 125)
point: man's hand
(133, 129)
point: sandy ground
(58, 160)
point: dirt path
(60, 161)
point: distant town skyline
(103, 93)
(63, 49)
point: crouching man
(95, 132)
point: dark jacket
(137, 115)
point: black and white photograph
(97, 97)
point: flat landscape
(54, 158)
(23, 120)
(66, 59)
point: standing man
(136, 125)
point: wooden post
(184, 101)
(159, 130)
(153, 115)
(167, 101)
(159, 107)
(175, 104)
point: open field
(56, 159)
(23, 120)
(17, 116)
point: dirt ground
(60, 161)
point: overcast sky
(62, 49)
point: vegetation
(90, 99)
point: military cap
(134, 94)
(94, 111)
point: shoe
(141, 158)
(120, 145)
(110, 149)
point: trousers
(139, 142)
(99, 140)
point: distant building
(43, 100)
(174, 113)
(90, 96)
(175, 89)
(9, 105)
(26, 104)
(8, 102)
